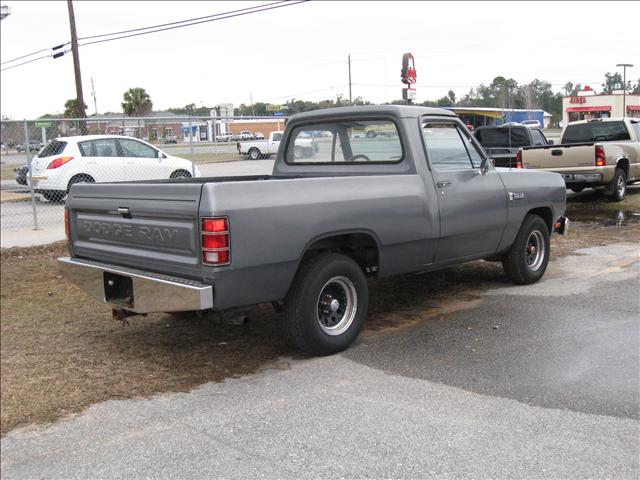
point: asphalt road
(539, 381)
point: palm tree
(137, 102)
(71, 108)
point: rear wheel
(298, 151)
(327, 304)
(53, 196)
(180, 174)
(577, 189)
(618, 185)
(82, 178)
(527, 259)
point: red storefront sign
(577, 100)
(606, 108)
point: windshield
(595, 132)
(499, 137)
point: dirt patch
(61, 351)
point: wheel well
(623, 164)
(361, 247)
(545, 213)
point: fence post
(193, 162)
(27, 151)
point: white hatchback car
(531, 123)
(101, 158)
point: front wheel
(527, 259)
(327, 304)
(254, 154)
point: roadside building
(587, 104)
(482, 116)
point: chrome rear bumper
(135, 290)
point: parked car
(34, 146)
(258, 136)
(66, 161)
(502, 142)
(531, 123)
(225, 137)
(310, 237)
(245, 135)
(255, 149)
(603, 154)
(21, 174)
(170, 139)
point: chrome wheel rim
(297, 152)
(337, 305)
(535, 250)
(621, 186)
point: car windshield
(55, 147)
(596, 132)
(499, 137)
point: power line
(34, 53)
(178, 22)
(28, 61)
(221, 16)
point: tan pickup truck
(603, 154)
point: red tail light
(66, 223)
(58, 162)
(601, 158)
(519, 159)
(215, 241)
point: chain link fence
(41, 159)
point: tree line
(502, 92)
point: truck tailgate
(152, 226)
(559, 157)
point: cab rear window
(56, 147)
(596, 132)
(345, 142)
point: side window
(85, 149)
(277, 137)
(445, 148)
(104, 148)
(537, 138)
(132, 148)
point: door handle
(443, 184)
(556, 153)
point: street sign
(43, 123)
(278, 114)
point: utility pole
(349, 62)
(80, 111)
(624, 87)
(93, 94)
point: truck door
(473, 206)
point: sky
(300, 51)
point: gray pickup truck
(309, 237)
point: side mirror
(160, 155)
(550, 142)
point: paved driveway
(532, 382)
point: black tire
(53, 196)
(371, 134)
(180, 174)
(577, 189)
(618, 186)
(82, 178)
(524, 263)
(298, 152)
(324, 326)
(254, 154)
